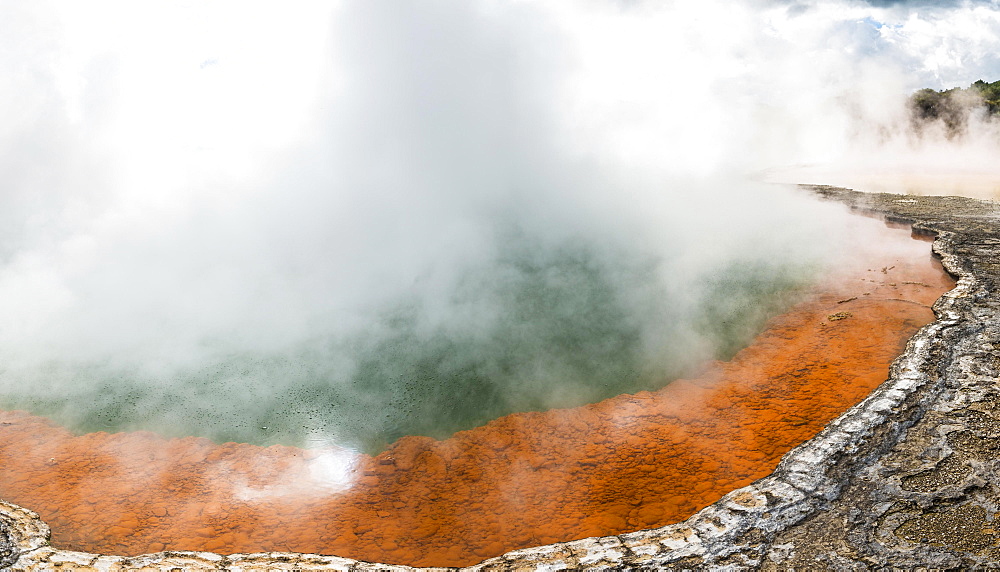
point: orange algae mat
(624, 464)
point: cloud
(802, 6)
(931, 3)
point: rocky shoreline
(905, 478)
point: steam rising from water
(346, 223)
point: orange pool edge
(626, 463)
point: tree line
(953, 107)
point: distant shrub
(990, 92)
(953, 107)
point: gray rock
(9, 551)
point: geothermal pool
(633, 461)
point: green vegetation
(953, 107)
(990, 93)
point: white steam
(185, 186)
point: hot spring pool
(638, 458)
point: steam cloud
(345, 223)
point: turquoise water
(538, 326)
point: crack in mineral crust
(906, 478)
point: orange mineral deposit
(623, 464)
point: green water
(537, 327)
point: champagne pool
(452, 456)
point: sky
(149, 84)
(183, 182)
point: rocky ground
(905, 479)
(932, 498)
